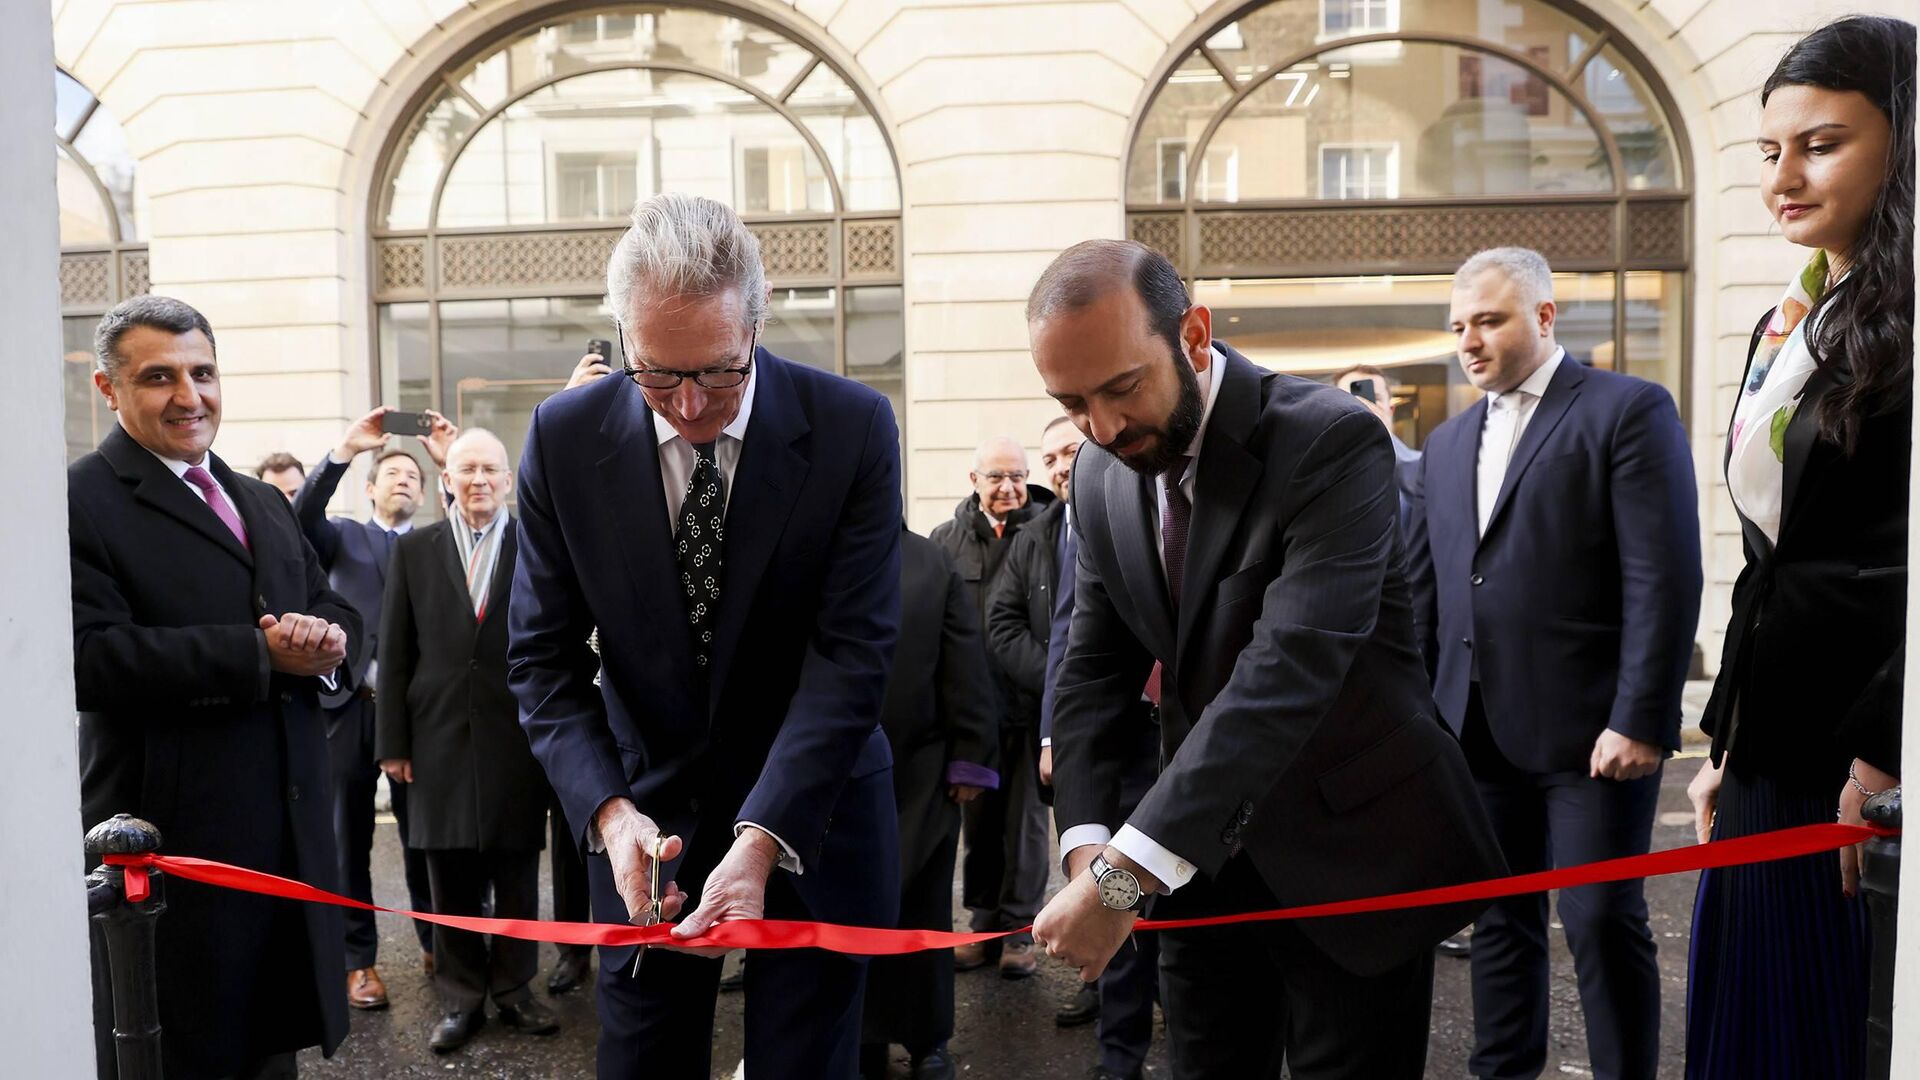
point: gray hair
(1524, 267)
(998, 442)
(686, 245)
(478, 435)
(158, 312)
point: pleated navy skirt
(1777, 972)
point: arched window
(1318, 168)
(103, 256)
(502, 197)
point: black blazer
(1295, 719)
(1577, 611)
(1020, 610)
(1812, 669)
(183, 723)
(936, 710)
(443, 702)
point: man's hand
(1076, 927)
(590, 368)
(304, 645)
(628, 836)
(1618, 757)
(398, 769)
(364, 435)
(440, 438)
(1046, 765)
(963, 793)
(1704, 793)
(1851, 800)
(736, 889)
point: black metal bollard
(129, 928)
(1880, 880)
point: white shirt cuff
(1080, 836)
(1172, 870)
(330, 682)
(789, 859)
(1046, 742)
(331, 458)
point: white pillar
(1906, 978)
(46, 1025)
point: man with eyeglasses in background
(730, 522)
(1004, 873)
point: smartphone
(603, 349)
(406, 423)
(1362, 388)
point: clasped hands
(304, 645)
(1076, 927)
(735, 889)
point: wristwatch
(1118, 889)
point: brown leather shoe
(426, 963)
(365, 990)
(1018, 960)
(977, 954)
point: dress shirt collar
(663, 432)
(177, 467)
(1216, 374)
(406, 526)
(1536, 383)
(486, 530)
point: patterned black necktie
(697, 536)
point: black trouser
(910, 997)
(1545, 820)
(1241, 999)
(571, 902)
(1131, 983)
(356, 777)
(469, 968)
(1004, 876)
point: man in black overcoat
(203, 633)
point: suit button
(693, 805)
(293, 793)
(1230, 836)
(473, 665)
(1478, 580)
(286, 697)
(1468, 642)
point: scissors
(651, 914)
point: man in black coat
(1236, 532)
(944, 743)
(203, 629)
(1004, 874)
(356, 554)
(448, 726)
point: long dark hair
(1864, 332)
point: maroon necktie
(217, 502)
(1173, 550)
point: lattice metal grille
(520, 260)
(872, 248)
(85, 281)
(133, 274)
(1432, 238)
(1161, 232)
(1657, 232)
(403, 266)
(803, 250)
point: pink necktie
(218, 503)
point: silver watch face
(1118, 890)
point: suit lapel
(1454, 470)
(502, 584)
(773, 467)
(1131, 525)
(449, 558)
(157, 487)
(1227, 478)
(630, 486)
(1802, 432)
(1553, 406)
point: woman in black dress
(1805, 714)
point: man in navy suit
(355, 554)
(730, 521)
(1555, 562)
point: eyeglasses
(468, 472)
(724, 378)
(1003, 477)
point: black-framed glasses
(723, 378)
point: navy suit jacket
(355, 554)
(1577, 611)
(804, 639)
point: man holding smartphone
(1375, 391)
(355, 555)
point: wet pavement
(1002, 1028)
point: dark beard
(1176, 432)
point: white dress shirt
(1507, 417)
(677, 459)
(1172, 870)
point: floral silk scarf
(1782, 363)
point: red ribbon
(866, 941)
